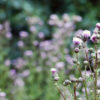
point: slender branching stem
(84, 82)
(60, 91)
(96, 60)
(75, 92)
(95, 73)
(95, 85)
(87, 58)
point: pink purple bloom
(19, 82)
(35, 43)
(98, 25)
(23, 34)
(94, 38)
(60, 65)
(25, 73)
(33, 29)
(1, 26)
(28, 53)
(98, 54)
(2, 94)
(7, 62)
(9, 35)
(41, 35)
(77, 18)
(54, 17)
(86, 34)
(12, 72)
(20, 43)
(19, 63)
(77, 41)
(53, 70)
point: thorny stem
(84, 82)
(86, 53)
(75, 91)
(78, 66)
(60, 91)
(96, 60)
(95, 85)
(95, 74)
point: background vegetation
(17, 16)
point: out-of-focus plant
(89, 59)
(17, 10)
(26, 64)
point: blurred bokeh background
(36, 35)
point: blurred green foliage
(17, 10)
(38, 86)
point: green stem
(87, 58)
(95, 74)
(95, 85)
(75, 91)
(96, 60)
(84, 82)
(60, 91)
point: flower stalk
(75, 92)
(60, 91)
(95, 74)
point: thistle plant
(86, 64)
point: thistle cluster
(86, 60)
(91, 58)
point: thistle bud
(78, 63)
(73, 80)
(93, 55)
(86, 62)
(98, 36)
(76, 50)
(81, 79)
(56, 78)
(67, 82)
(91, 50)
(74, 61)
(98, 91)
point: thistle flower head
(77, 41)
(94, 38)
(98, 52)
(53, 70)
(98, 25)
(86, 34)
